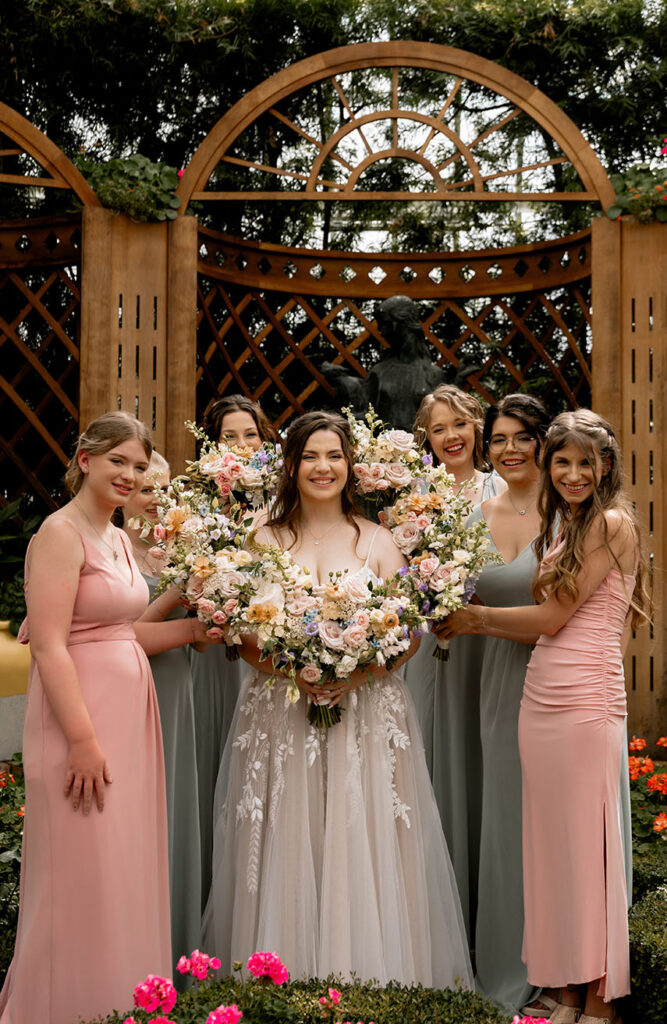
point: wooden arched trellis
(461, 65)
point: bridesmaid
(514, 430)
(216, 680)
(572, 723)
(173, 685)
(94, 886)
(446, 694)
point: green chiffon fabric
(173, 685)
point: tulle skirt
(328, 847)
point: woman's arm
(458, 624)
(156, 637)
(56, 560)
(162, 607)
(548, 618)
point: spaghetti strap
(370, 546)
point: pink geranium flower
(225, 1015)
(268, 965)
(155, 993)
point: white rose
(407, 537)
(461, 556)
(251, 478)
(356, 589)
(268, 593)
(230, 583)
(400, 440)
(331, 634)
(345, 666)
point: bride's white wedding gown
(328, 847)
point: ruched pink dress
(94, 914)
(572, 732)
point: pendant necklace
(521, 511)
(317, 540)
(95, 530)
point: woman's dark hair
(287, 508)
(215, 414)
(527, 409)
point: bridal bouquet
(445, 556)
(325, 631)
(387, 462)
(236, 473)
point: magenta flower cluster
(225, 1015)
(331, 1000)
(268, 965)
(155, 993)
(198, 965)
(153, 1020)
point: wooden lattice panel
(270, 346)
(39, 379)
(41, 241)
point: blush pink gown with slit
(572, 736)
(94, 914)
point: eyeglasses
(520, 442)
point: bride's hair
(215, 414)
(595, 437)
(287, 508)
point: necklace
(521, 511)
(318, 540)
(95, 530)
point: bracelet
(192, 629)
(483, 618)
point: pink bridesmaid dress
(94, 914)
(572, 732)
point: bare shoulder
(58, 540)
(614, 529)
(386, 559)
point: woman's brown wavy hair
(461, 403)
(595, 437)
(215, 414)
(287, 508)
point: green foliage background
(153, 76)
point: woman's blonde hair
(595, 437)
(103, 434)
(463, 404)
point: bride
(328, 846)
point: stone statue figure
(396, 384)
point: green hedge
(649, 870)
(298, 1003)
(648, 959)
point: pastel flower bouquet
(234, 473)
(445, 557)
(387, 462)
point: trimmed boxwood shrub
(298, 1003)
(648, 959)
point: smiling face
(452, 437)
(239, 429)
(512, 450)
(113, 476)
(323, 469)
(143, 502)
(573, 475)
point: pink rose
(195, 587)
(251, 478)
(331, 634)
(400, 440)
(427, 567)
(397, 474)
(229, 607)
(355, 636)
(407, 537)
(311, 673)
(376, 470)
(159, 532)
(367, 485)
(205, 606)
(219, 618)
(382, 485)
(223, 486)
(440, 578)
(157, 554)
(422, 522)
(300, 603)
(214, 633)
(362, 618)
(361, 470)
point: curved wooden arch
(61, 172)
(445, 59)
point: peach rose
(311, 673)
(397, 474)
(406, 537)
